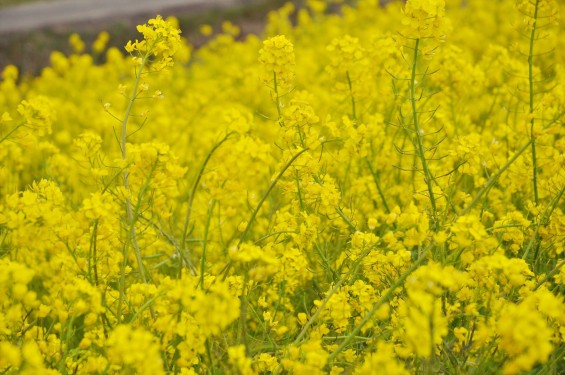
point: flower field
(363, 189)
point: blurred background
(31, 29)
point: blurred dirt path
(39, 15)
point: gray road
(39, 15)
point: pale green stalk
(418, 136)
(353, 111)
(336, 287)
(92, 265)
(353, 270)
(278, 98)
(550, 275)
(532, 120)
(492, 180)
(205, 244)
(546, 217)
(375, 175)
(11, 132)
(264, 197)
(131, 235)
(398, 283)
(260, 204)
(191, 199)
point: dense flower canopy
(373, 190)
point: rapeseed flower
(277, 58)
(388, 221)
(161, 39)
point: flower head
(161, 40)
(277, 58)
(424, 19)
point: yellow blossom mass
(362, 188)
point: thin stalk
(532, 120)
(11, 132)
(131, 235)
(243, 313)
(492, 180)
(345, 218)
(92, 266)
(547, 215)
(550, 274)
(210, 356)
(144, 307)
(353, 111)
(375, 175)
(264, 197)
(419, 143)
(337, 285)
(376, 306)
(554, 120)
(278, 98)
(205, 244)
(352, 270)
(299, 192)
(254, 214)
(191, 198)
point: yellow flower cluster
(358, 192)
(160, 42)
(277, 57)
(424, 19)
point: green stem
(278, 99)
(205, 244)
(353, 111)
(492, 180)
(92, 266)
(550, 274)
(191, 198)
(376, 306)
(254, 214)
(243, 313)
(131, 235)
(271, 186)
(545, 219)
(532, 120)
(337, 285)
(419, 138)
(345, 218)
(375, 175)
(210, 356)
(11, 132)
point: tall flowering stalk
(531, 87)
(546, 12)
(423, 20)
(538, 16)
(278, 62)
(154, 53)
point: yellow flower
(38, 114)
(161, 39)
(278, 61)
(134, 349)
(382, 361)
(10, 356)
(76, 42)
(101, 41)
(424, 19)
(239, 360)
(524, 337)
